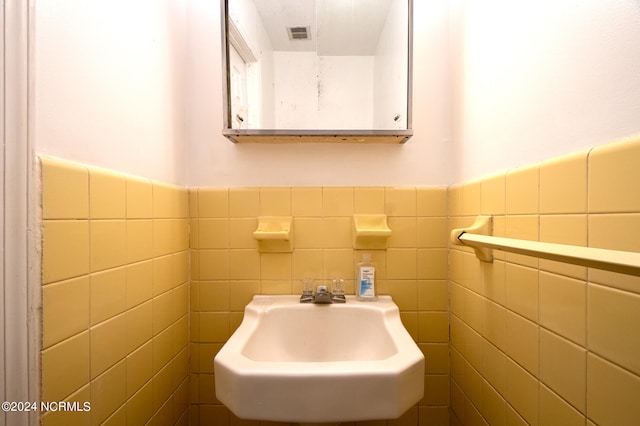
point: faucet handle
(338, 286)
(337, 291)
(307, 291)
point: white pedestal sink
(306, 363)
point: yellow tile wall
(227, 270)
(538, 342)
(144, 282)
(114, 296)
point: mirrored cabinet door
(317, 70)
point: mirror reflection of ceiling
(355, 24)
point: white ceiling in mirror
(277, 15)
(355, 24)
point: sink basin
(306, 363)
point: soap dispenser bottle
(366, 279)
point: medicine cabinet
(317, 70)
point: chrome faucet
(322, 294)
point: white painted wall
(337, 77)
(295, 90)
(109, 84)
(390, 65)
(539, 79)
(322, 92)
(531, 81)
(424, 160)
(248, 21)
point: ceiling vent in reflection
(299, 33)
